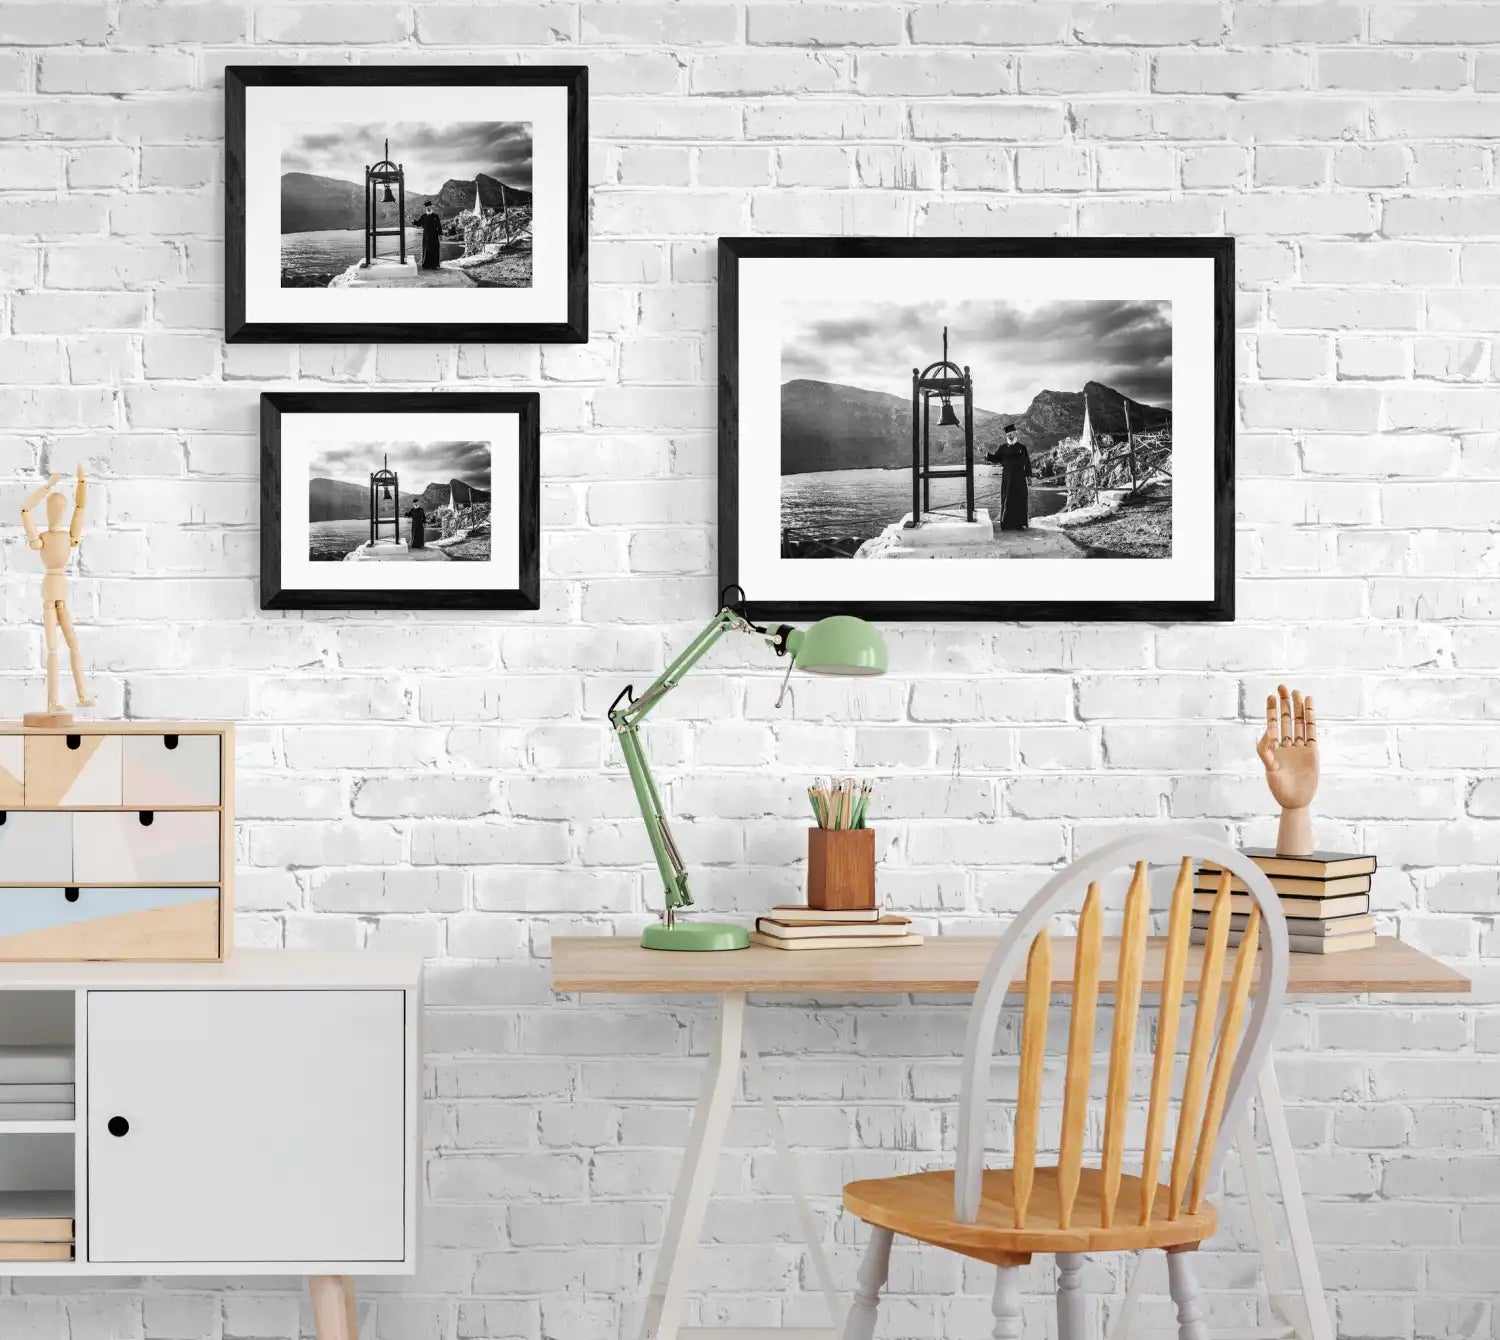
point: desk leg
(1286, 1308)
(788, 1161)
(690, 1200)
(1319, 1327)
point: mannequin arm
(80, 502)
(33, 537)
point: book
(1208, 881)
(36, 1251)
(1315, 865)
(1351, 925)
(36, 1216)
(1306, 944)
(836, 942)
(791, 930)
(796, 912)
(50, 1064)
(1353, 904)
(36, 1093)
(36, 1111)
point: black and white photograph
(942, 428)
(406, 204)
(399, 502)
(354, 212)
(377, 500)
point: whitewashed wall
(446, 782)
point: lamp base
(696, 936)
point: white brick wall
(447, 782)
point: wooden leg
(859, 1322)
(1183, 1280)
(333, 1307)
(1007, 1304)
(1070, 1296)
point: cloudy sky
(1013, 350)
(417, 463)
(431, 152)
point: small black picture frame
(566, 317)
(776, 587)
(523, 537)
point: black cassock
(432, 239)
(418, 528)
(1015, 499)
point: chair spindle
(1132, 962)
(1033, 1055)
(1088, 951)
(1174, 970)
(1205, 1015)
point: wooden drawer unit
(116, 841)
(72, 923)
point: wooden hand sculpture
(1289, 749)
(55, 544)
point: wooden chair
(1004, 1216)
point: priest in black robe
(418, 532)
(1014, 461)
(432, 237)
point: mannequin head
(57, 505)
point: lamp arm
(626, 714)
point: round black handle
(71, 895)
(118, 1126)
(147, 818)
(170, 741)
(75, 742)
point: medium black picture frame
(572, 329)
(275, 406)
(1220, 250)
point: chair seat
(920, 1206)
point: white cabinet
(246, 1126)
(255, 1116)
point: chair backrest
(1221, 1064)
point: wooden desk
(945, 964)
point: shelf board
(38, 1127)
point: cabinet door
(246, 1126)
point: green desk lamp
(837, 645)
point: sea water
(331, 251)
(841, 504)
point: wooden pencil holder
(840, 868)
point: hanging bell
(388, 198)
(385, 492)
(948, 419)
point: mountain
(335, 500)
(312, 204)
(826, 426)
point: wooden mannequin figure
(56, 545)
(1289, 750)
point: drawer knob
(71, 895)
(2, 816)
(118, 1126)
(147, 817)
(75, 742)
(170, 741)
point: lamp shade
(838, 645)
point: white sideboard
(257, 1116)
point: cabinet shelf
(37, 1128)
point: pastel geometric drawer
(161, 771)
(146, 847)
(73, 923)
(65, 770)
(36, 847)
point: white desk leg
(1285, 1307)
(699, 1159)
(810, 1234)
(1318, 1323)
(1125, 1322)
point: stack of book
(36, 1083)
(1325, 898)
(797, 927)
(36, 1225)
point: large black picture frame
(525, 405)
(1220, 607)
(573, 329)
